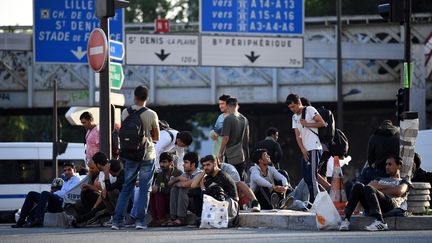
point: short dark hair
(100, 158)
(69, 163)
(224, 97)
(185, 137)
(232, 101)
(192, 157)
(305, 101)
(396, 158)
(257, 154)
(209, 157)
(417, 160)
(141, 93)
(83, 171)
(271, 131)
(292, 98)
(166, 156)
(86, 115)
(115, 165)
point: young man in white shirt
(306, 130)
(172, 141)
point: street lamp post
(339, 65)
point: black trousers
(373, 201)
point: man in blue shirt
(46, 201)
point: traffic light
(393, 10)
(400, 105)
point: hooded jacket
(384, 142)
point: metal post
(407, 18)
(213, 86)
(339, 66)
(54, 130)
(275, 85)
(104, 99)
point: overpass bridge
(372, 51)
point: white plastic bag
(327, 217)
(214, 213)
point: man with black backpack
(306, 131)
(139, 131)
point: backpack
(131, 136)
(339, 146)
(327, 133)
(164, 125)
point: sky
(16, 12)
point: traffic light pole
(407, 59)
(104, 99)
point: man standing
(46, 201)
(144, 165)
(272, 146)
(235, 141)
(173, 141)
(91, 140)
(215, 134)
(267, 183)
(379, 196)
(306, 130)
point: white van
(423, 147)
(26, 167)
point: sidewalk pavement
(294, 220)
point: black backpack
(327, 133)
(339, 146)
(131, 136)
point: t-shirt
(233, 127)
(166, 144)
(92, 142)
(101, 179)
(231, 171)
(149, 120)
(310, 140)
(191, 176)
(225, 181)
(398, 202)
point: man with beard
(160, 194)
(181, 185)
(218, 184)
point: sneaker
(115, 226)
(377, 226)
(285, 203)
(256, 207)
(274, 200)
(108, 223)
(129, 222)
(140, 226)
(345, 225)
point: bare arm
(300, 144)
(155, 133)
(196, 182)
(224, 142)
(391, 190)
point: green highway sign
(116, 75)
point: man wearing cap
(46, 201)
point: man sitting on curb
(46, 201)
(379, 196)
(264, 180)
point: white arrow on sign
(79, 53)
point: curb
(293, 220)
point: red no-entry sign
(97, 50)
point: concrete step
(293, 220)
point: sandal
(179, 222)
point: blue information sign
(62, 29)
(253, 16)
(116, 50)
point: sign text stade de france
(281, 17)
(62, 29)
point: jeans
(36, 204)
(145, 168)
(310, 170)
